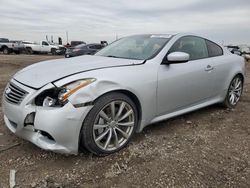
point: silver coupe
(98, 102)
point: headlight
(59, 96)
(71, 88)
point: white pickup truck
(40, 47)
(7, 46)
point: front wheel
(6, 50)
(234, 92)
(110, 124)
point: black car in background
(234, 50)
(83, 49)
(75, 43)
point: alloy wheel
(5, 51)
(113, 125)
(235, 91)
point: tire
(104, 132)
(6, 50)
(53, 51)
(234, 92)
(17, 52)
(29, 51)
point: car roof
(93, 44)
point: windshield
(141, 47)
(4, 40)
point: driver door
(185, 84)
(45, 47)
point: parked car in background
(104, 43)
(18, 46)
(83, 49)
(75, 43)
(241, 50)
(40, 47)
(25, 42)
(234, 50)
(61, 48)
(98, 102)
(245, 50)
(6, 46)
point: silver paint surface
(164, 91)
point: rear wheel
(110, 124)
(53, 51)
(29, 51)
(234, 92)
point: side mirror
(176, 57)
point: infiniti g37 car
(98, 102)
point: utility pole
(67, 37)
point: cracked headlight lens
(72, 87)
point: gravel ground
(206, 148)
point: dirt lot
(206, 148)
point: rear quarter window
(214, 49)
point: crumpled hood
(39, 74)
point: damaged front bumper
(54, 128)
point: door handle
(209, 68)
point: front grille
(14, 94)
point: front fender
(93, 91)
(139, 80)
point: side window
(91, 47)
(213, 49)
(95, 47)
(45, 43)
(196, 47)
(98, 47)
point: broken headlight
(59, 96)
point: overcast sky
(95, 20)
